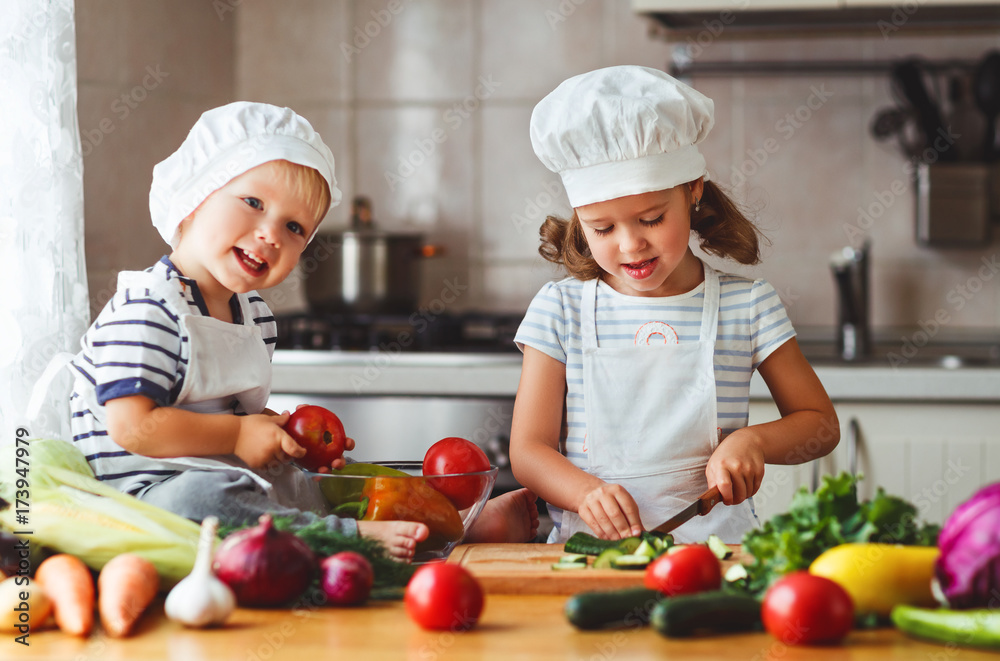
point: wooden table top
(512, 627)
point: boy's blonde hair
(306, 183)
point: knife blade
(702, 506)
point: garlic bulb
(201, 599)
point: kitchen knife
(702, 506)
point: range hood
(795, 16)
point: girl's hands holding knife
(736, 466)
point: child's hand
(736, 467)
(341, 462)
(262, 441)
(611, 512)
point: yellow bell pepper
(880, 576)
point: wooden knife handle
(708, 500)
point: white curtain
(44, 307)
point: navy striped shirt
(136, 346)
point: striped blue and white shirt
(136, 346)
(752, 324)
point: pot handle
(429, 250)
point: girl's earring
(697, 205)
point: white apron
(225, 360)
(652, 423)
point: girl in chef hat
(633, 398)
(189, 338)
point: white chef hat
(224, 143)
(621, 131)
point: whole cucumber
(968, 628)
(706, 612)
(611, 608)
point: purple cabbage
(968, 569)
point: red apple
(320, 432)
(347, 578)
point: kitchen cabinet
(934, 455)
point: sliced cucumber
(645, 548)
(629, 545)
(735, 573)
(631, 561)
(582, 542)
(574, 557)
(607, 558)
(719, 547)
(569, 565)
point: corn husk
(72, 512)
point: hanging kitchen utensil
(909, 79)
(986, 92)
(898, 123)
(965, 120)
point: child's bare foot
(510, 517)
(398, 537)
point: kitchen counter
(512, 626)
(496, 375)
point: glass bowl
(448, 504)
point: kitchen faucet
(850, 271)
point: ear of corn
(71, 512)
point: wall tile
(510, 286)
(424, 52)
(518, 192)
(290, 52)
(533, 45)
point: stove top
(475, 332)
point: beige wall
(448, 86)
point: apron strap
(588, 318)
(41, 388)
(710, 310)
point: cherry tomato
(803, 609)
(457, 455)
(688, 569)
(320, 432)
(442, 597)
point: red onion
(347, 578)
(264, 566)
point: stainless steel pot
(363, 271)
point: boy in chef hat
(171, 385)
(645, 349)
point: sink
(944, 355)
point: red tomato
(802, 609)
(442, 597)
(320, 432)
(689, 569)
(457, 455)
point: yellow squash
(880, 576)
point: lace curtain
(44, 308)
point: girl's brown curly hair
(722, 228)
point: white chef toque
(621, 131)
(224, 143)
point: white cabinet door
(933, 455)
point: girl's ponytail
(723, 229)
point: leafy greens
(828, 517)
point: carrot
(68, 584)
(125, 587)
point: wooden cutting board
(527, 569)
